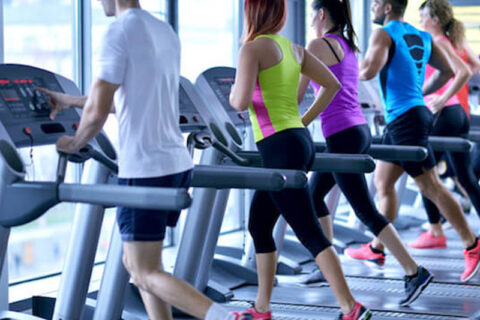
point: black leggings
(452, 121)
(288, 149)
(354, 140)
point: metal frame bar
(172, 13)
(2, 40)
(83, 40)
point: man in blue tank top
(398, 53)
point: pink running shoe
(428, 241)
(252, 314)
(358, 313)
(472, 262)
(365, 252)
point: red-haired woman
(267, 78)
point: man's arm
(439, 61)
(377, 54)
(95, 113)
(60, 101)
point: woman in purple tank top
(346, 131)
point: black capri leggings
(452, 121)
(354, 140)
(288, 149)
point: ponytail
(351, 35)
(455, 31)
(341, 16)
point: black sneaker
(315, 277)
(414, 285)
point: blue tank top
(401, 80)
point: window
(208, 36)
(208, 40)
(43, 34)
(35, 36)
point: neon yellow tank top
(274, 106)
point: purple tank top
(344, 111)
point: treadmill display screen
(225, 85)
(9, 94)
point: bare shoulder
(380, 37)
(316, 45)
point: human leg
(431, 186)
(386, 174)
(142, 259)
(293, 149)
(320, 184)
(263, 216)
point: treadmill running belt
(444, 270)
(300, 312)
(438, 298)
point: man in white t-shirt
(138, 79)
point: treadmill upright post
(4, 233)
(76, 273)
(197, 226)
(115, 279)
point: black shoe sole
(417, 293)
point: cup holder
(218, 134)
(11, 157)
(233, 133)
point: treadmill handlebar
(328, 162)
(125, 196)
(61, 167)
(236, 158)
(44, 195)
(388, 152)
(334, 162)
(81, 156)
(220, 177)
(452, 144)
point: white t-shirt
(142, 55)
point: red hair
(264, 17)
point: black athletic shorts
(150, 225)
(412, 129)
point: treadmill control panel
(22, 100)
(190, 118)
(24, 111)
(221, 80)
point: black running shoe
(414, 285)
(315, 277)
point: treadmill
(439, 301)
(24, 122)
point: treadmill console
(190, 118)
(24, 111)
(221, 80)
